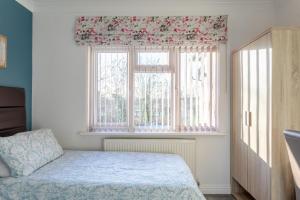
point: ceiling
(36, 5)
(86, 1)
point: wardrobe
(265, 100)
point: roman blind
(150, 30)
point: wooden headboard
(12, 111)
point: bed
(94, 174)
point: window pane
(152, 101)
(198, 90)
(153, 58)
(112, 89)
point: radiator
(183, 147)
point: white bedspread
(106, 175)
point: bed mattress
(98, 175)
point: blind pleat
(105, 90)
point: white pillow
(26, 152)
(4, 170)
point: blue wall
(16, 24)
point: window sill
(144, 134)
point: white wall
(60, 71)
(287, 12)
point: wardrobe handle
(246, 118)
(250, 119)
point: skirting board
(215, 189)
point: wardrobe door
(253, 126)
(263, 122)
(244, 136)
(237, 158)
(258, 152)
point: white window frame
(148, 68)
(174, 69)
(170, 68)
(92, 88)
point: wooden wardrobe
(265, 101)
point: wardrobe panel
(285, 106)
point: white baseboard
(215, 189)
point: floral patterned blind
(150, 31)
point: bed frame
(12, 111)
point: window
(152, 89)
(110, 80)
(198, 91)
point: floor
(219, 197)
